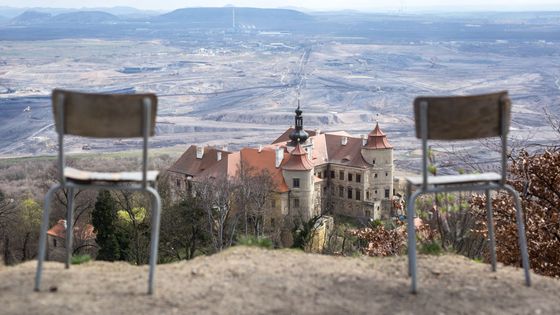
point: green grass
(254, 241)
(80, 259)
(431, 248)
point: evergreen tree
(104, 217)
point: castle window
(319, 175)
(358, 194)
(341, 175)
(54, 242)
(349, 177)
(341, 191)
(295, 183)
(386, 174)
(325, 174)
(273, 222)
(386, 193)
(358, 178)
(368, 213)
(375, 175)
(325, 190)
(349, 192)
(367, 194)
(273, 203)
(332, 174)
(373, 162)
(178, 183)
(296, 202)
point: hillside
(253, 281)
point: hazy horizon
(313, 5)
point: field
(240, 88)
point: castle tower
(298, 174)
(378, 152)
(298, 135)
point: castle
(312, 172)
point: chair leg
(69, 227)
(156, 210)
(521, 232)
(43, 237)
(412, 241)
(491, 237)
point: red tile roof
(84, 232)
(377, 139)
(298, 160)
(327, 148)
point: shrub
(253, 241)
(80, 259)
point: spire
(298, 135)
(377, 139)
(298, 160)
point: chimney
(224, 148)
(219, 155)
(260, 148)
(279, 156)
(199, 152)
(317, 131)
(344, 140)
(364, 140)
(64, 224)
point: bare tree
(254, 189)
(7, 219)
(216, 196)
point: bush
(537, 179)
(253, 241)
(380, 241)
(430, 248)
(80, 259)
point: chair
(461, 118)
(102, 116)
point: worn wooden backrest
(102, 115)
(464, 117)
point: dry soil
(255, 281)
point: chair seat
(76, 175)
(456, 179)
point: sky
(321, 5)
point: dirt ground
(245, 280)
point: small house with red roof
(84, 240)
(313, 172)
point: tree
(216, 195)
(104, 217)
(183, 232)
(133, 225)
(30, 215)
(8, 213)
(254, 190)
(537, 178)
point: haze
(362, 5)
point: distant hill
(223, 17)
(85, 17)
(80, 17)
(31, 17)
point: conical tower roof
(377, 139)
(298, 160)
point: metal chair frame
(143, 186)
(487, 186)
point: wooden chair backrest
(464, 117)
(103, 115)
